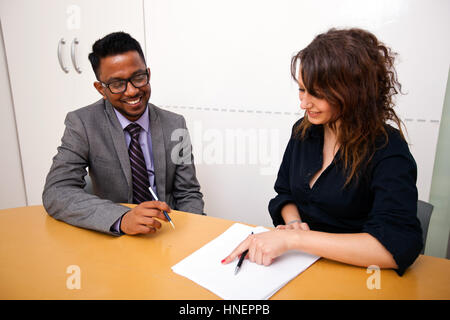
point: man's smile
(132, 101)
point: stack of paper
(253, 281)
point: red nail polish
(223, 260)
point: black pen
(241, 259)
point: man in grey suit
(98, 137)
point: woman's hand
(264, 247)
(294, 225)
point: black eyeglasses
(120, 86)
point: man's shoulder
(92, 115)
(96, 107)
(166, 116)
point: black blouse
(382, 203)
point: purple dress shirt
(145, 140)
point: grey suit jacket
(94, 139)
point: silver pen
(165, 213)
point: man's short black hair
(112, 44)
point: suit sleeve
(186, 189)
(64, 197)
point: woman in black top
(346, 188)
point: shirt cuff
(116, 227)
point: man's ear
(100, 89)
(149, 74)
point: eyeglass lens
(137, 81)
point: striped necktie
(138, 167)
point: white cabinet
(12, 187)
(42, 92)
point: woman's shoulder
(392, 144)
(297, 124)
(393, 135)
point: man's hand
(142, 218)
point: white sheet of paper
(253, 281)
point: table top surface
(37, 250)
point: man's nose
(131, 90)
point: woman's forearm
(290, 212)
(360, 249)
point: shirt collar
(143, 121)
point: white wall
(225, 66)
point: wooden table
(37, 250)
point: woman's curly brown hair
(355, 73)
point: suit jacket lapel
(159, 153)
(120, 145)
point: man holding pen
(129, 147)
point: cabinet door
(42, 92)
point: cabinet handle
(75, 42)
(61, 43)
